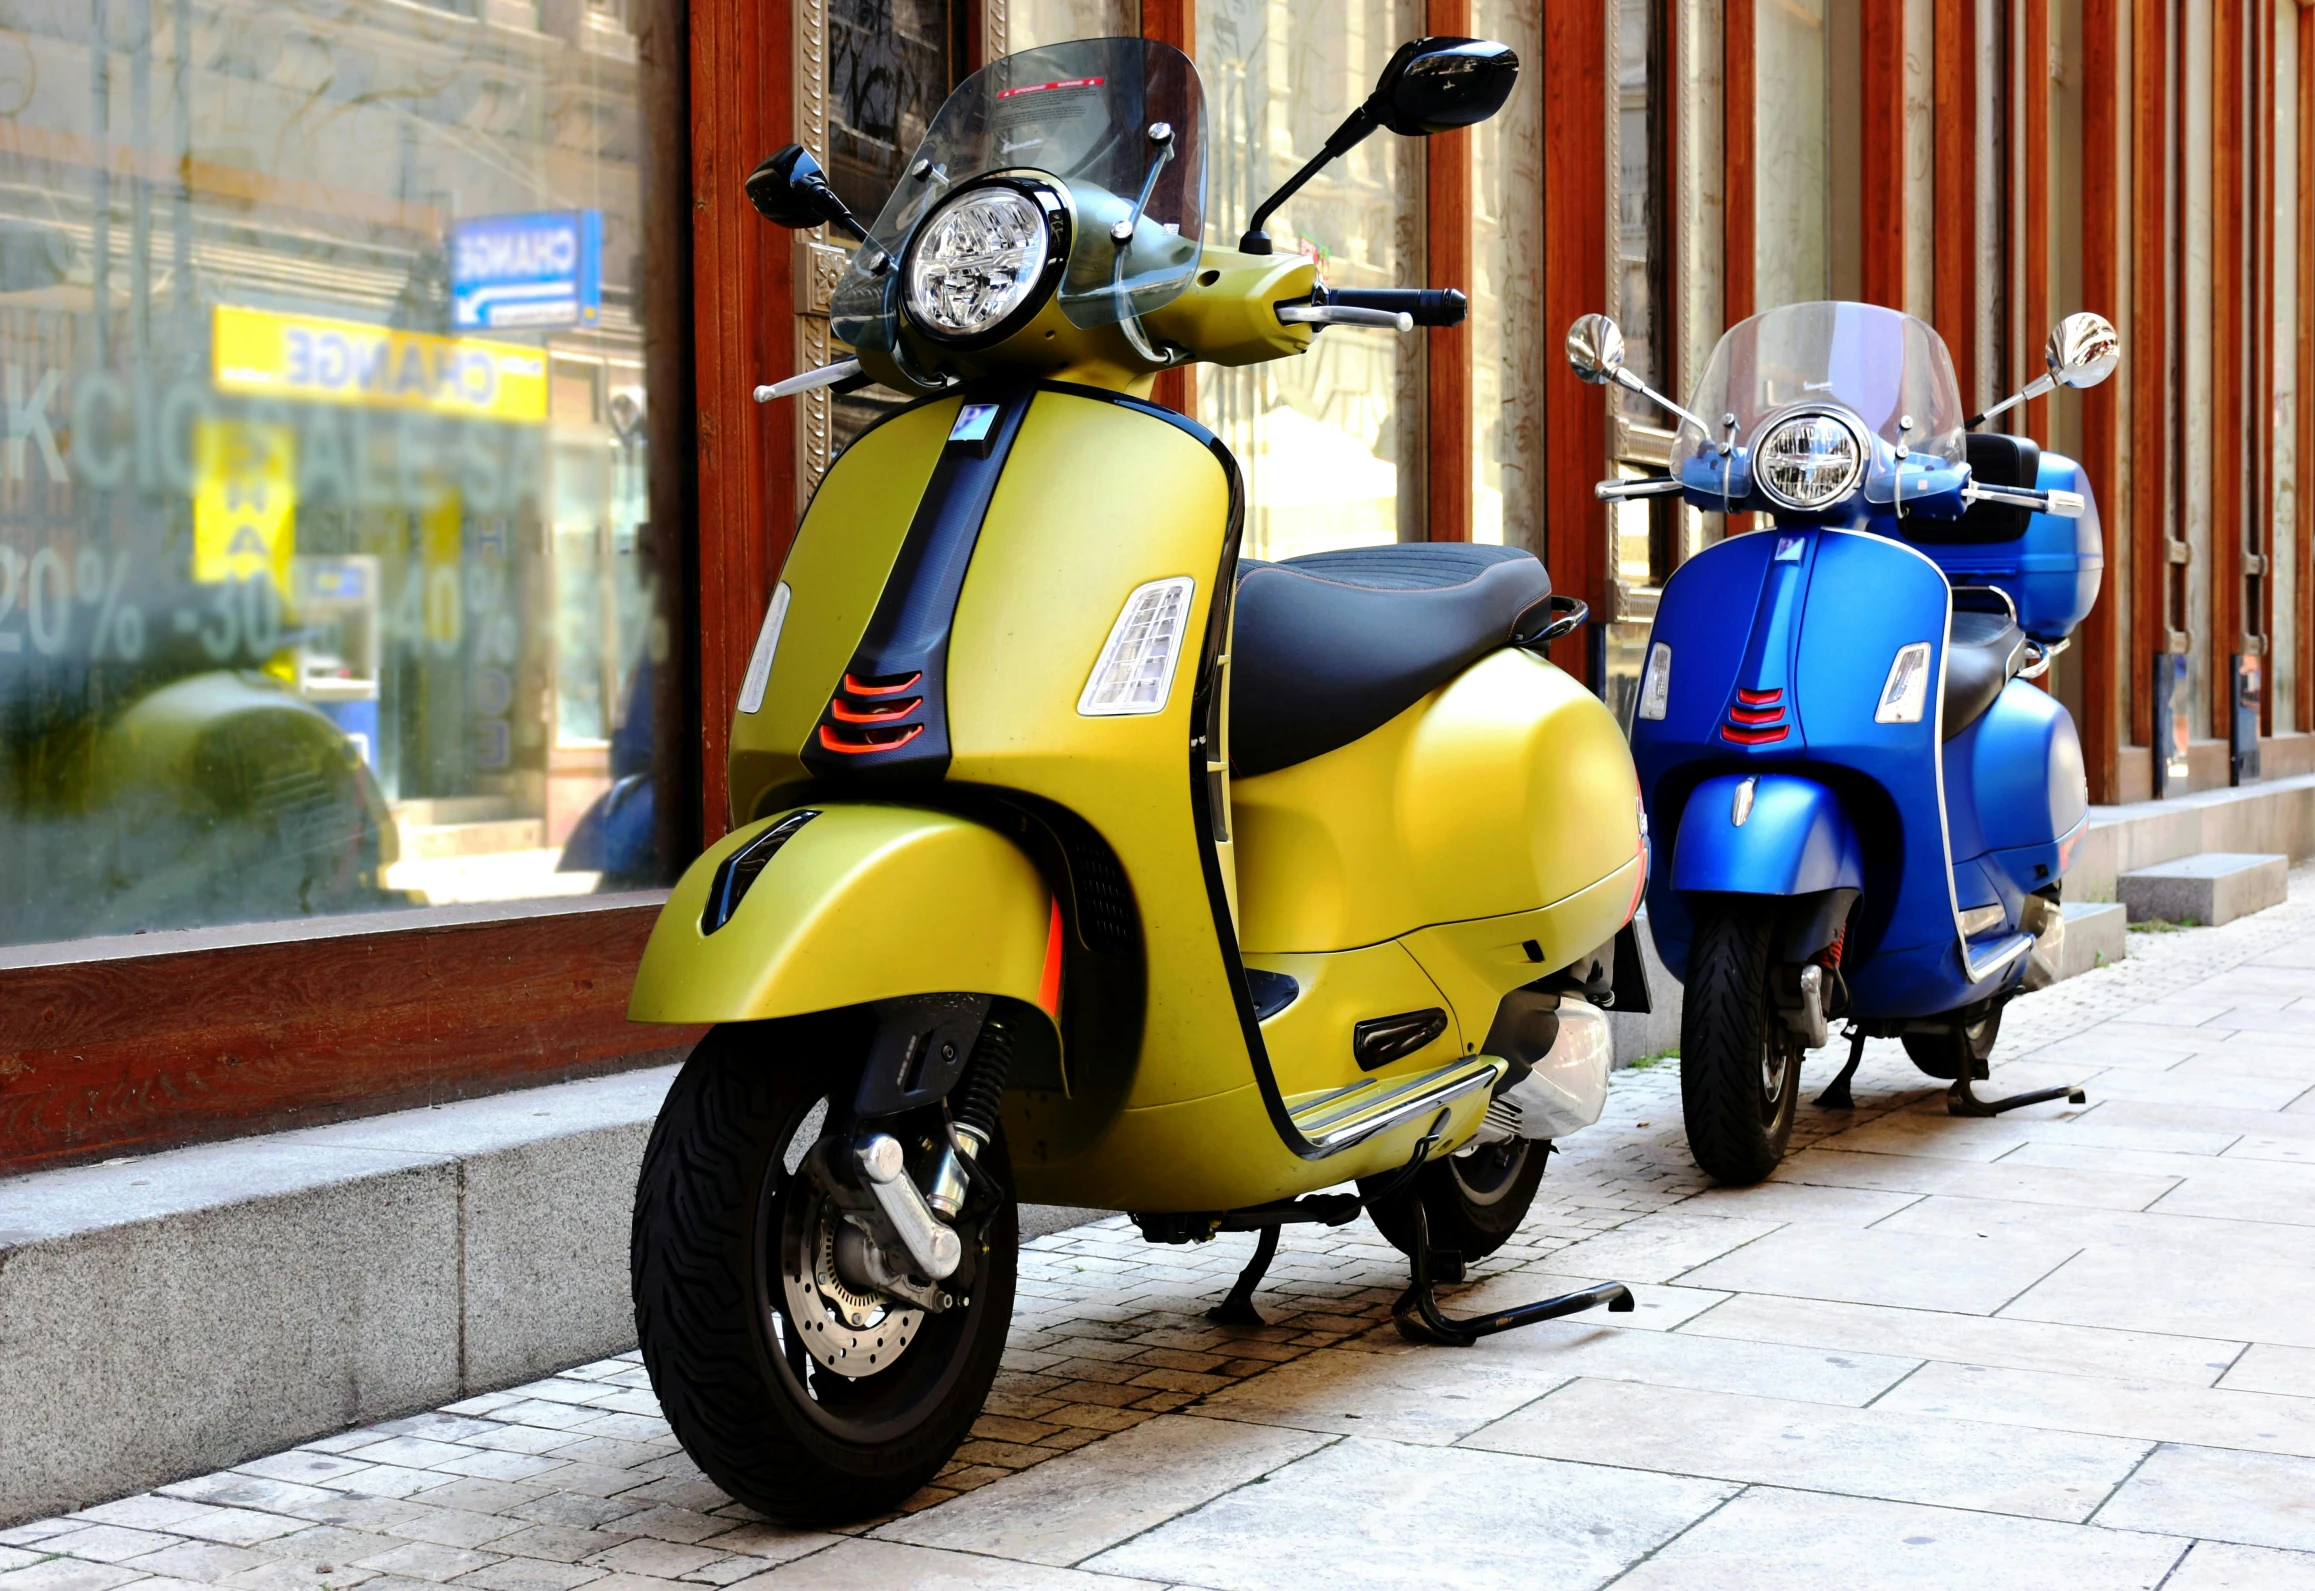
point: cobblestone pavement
(2073, 1347)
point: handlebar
(1428, 306)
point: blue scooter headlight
(1809, 460)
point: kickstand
(1238, 1309)
(1836, 1094)
(1417, 1312)
(1960, 1100)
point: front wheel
(808, 1396)
(1740, 1066)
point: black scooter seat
(1982, 651)
(1333, 645)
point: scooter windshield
(1882, 366)
(1120, 124)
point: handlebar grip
(1430, 306)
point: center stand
(1419, 1319)
(1960, 1101)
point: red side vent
(870, 715)
(856, 741)
(883, 712)
(1758, 719)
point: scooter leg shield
(818, 909)
(1765, 834)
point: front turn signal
(1135, 673)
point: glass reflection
(322, 506)
(1331, 443)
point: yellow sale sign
(244, 501)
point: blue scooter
(1866, 809)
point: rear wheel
(807, 1395)
(1942, 1055)
(1472, 1202)
(1740, 1066)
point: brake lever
(1343, 315)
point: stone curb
(179, 1313)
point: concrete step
(2096, 936)
(2211, 888)
(180, 1312)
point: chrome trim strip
(1390, 1109)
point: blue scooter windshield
(1883, 367)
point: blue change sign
(543, 269)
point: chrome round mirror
(2083, 350)
(1595, 349)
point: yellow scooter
(1078, 859)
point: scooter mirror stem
(1632, 383)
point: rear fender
(1794, 839)
(860, 903)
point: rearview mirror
(791, 190)
(2083, 350)
(1595, 349)
(1429, 86)
(1436, 85)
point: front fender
(862, 903)
(1795, 839)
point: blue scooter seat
(1982, 651)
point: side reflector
(1656, 682)
(1135, 674)
(767, 643)
(1907, 688)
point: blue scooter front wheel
(1740, 1065)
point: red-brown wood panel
(1175, 22)
(1575, 282)
(2148, 366)
(2227, 362)
(118, 1051)
(2303, 620)
(1447, 349)
(1954, 239)
(1738, 215)
(2034, 211)
(2261, 462)
(2101, 406)
(744, 301)
(1881, 159)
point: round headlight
(1806, 461)
(976, 261)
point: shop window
(1031, 23)
(1511, 346)
(1792, 154)
(325, 557)
(1331, 443)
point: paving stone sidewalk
(2072, 1347)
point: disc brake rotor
(852, 1331)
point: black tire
(1940, 1055)
(1740, 1066)
(717, 1206)
(1473, 1202)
